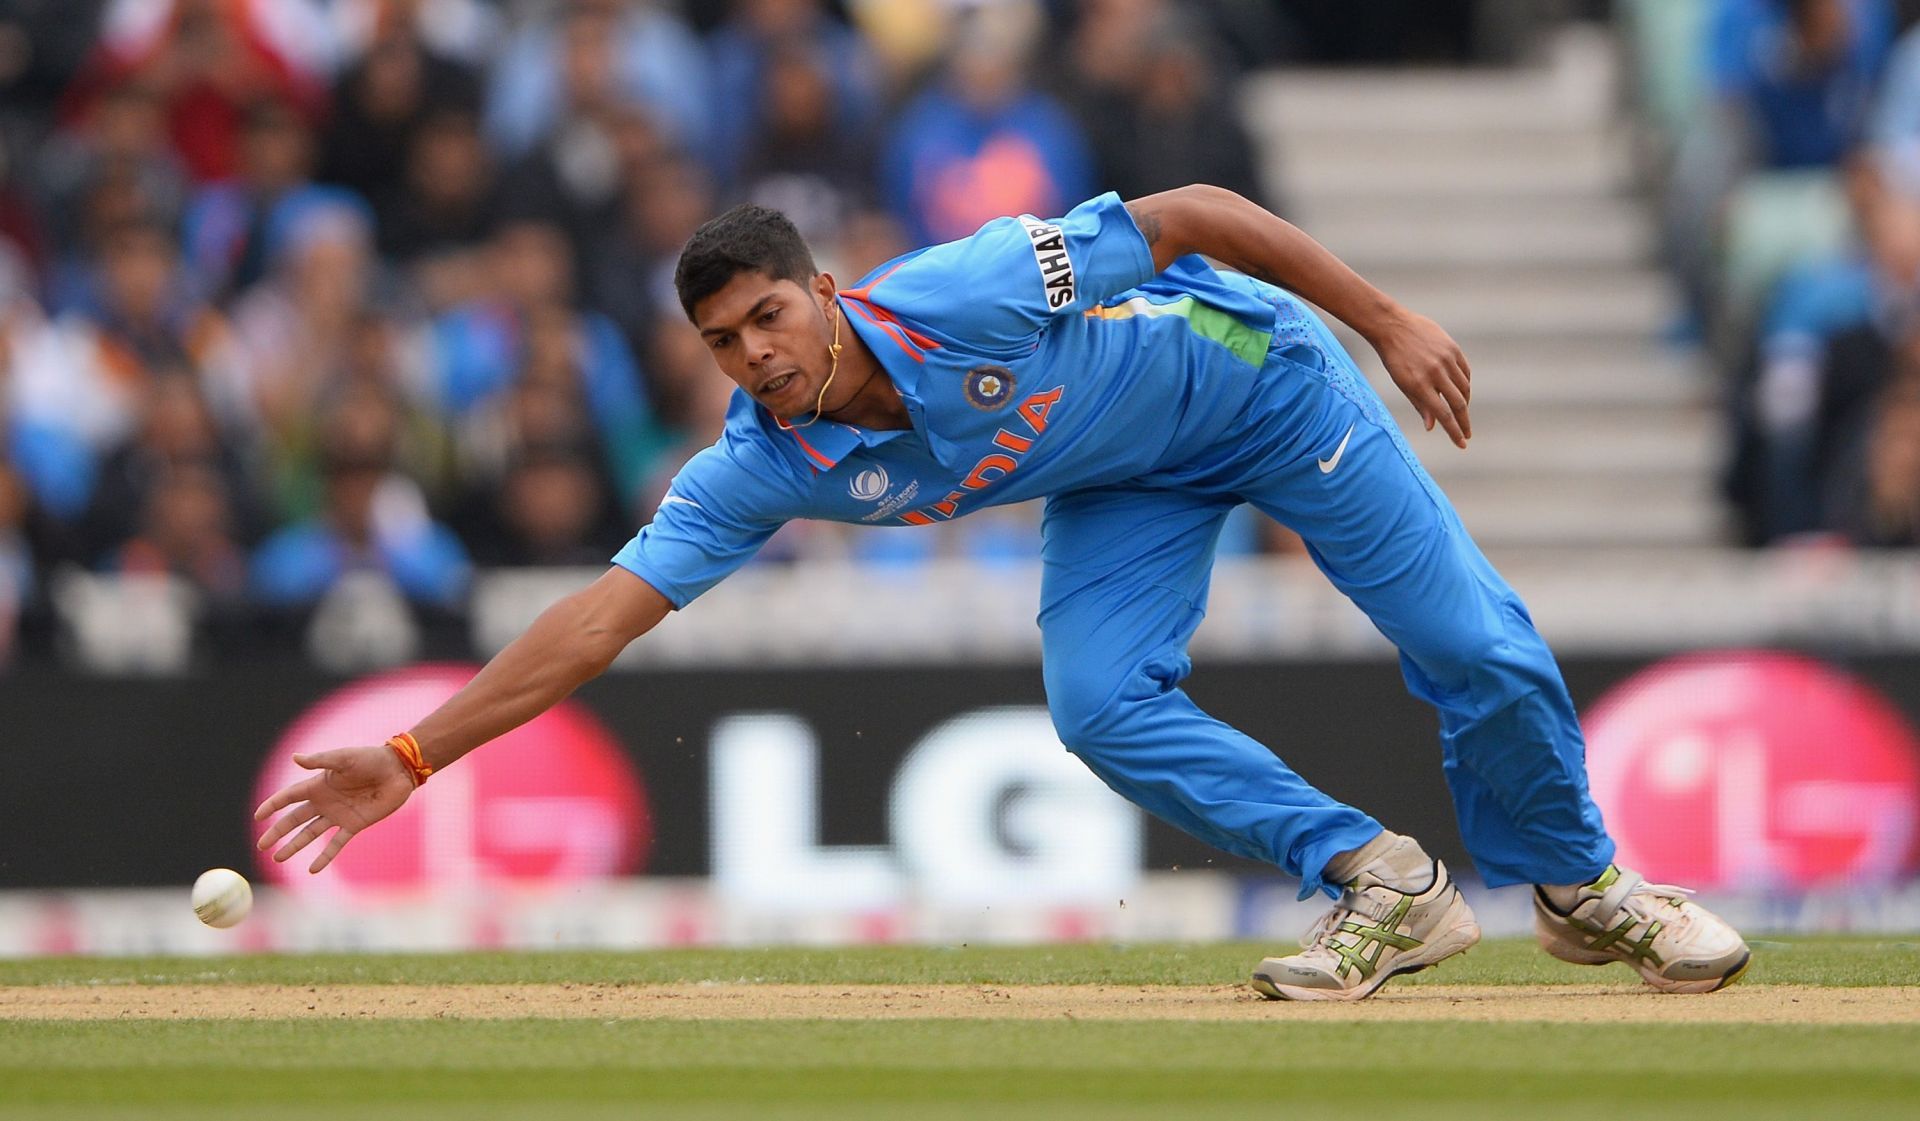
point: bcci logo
(989, 387)
(869, 484)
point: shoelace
(1666, 899)
(1322, 935)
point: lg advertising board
(853, 789)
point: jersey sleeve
(1009, 280)
(715, 516)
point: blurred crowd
(301, 292)
(1787, 134)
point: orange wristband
(408, 749)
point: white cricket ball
(221, 897)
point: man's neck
(876, 403)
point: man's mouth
(777, 383)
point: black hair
(748, 238)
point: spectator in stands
(1109, 43)
(394, 83)
(573, 173)
(1830, 334)
(28, 537)
(22, 228)
(763, 36)
(372, 519)
(1877, 492)
(185, 529)
(1798, 76)
(905, 37)
(655, 62)
(297, 324)
(86, 379)
(462, 31)
(50, 456)
(1791, 85)
(435, 229)
(42, 47)
(1824, 350)
(114, 201)
(121, 145)
(691, 402)
(209, 62)
(552, 508)
(665, 201)
(1156, 111)
(869, 239)
(177, 433)
(379, 354)
(982, 142)
(802, 160)
(527, 327)
(544, 410)
(236, 226)
(1894, 129)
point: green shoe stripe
(1370, 942)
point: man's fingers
(1448, 421)
(339, 841)
(302, 839)
(288, 822)
(1457, 408)
(286, 796)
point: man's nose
(758, 350)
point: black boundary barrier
(110, 782)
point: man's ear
(824, 288)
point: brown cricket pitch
(1756, 1004)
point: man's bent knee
(1466, 652)
(1094, 710)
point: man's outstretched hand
(353, 788)
(1429, 368)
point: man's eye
(767, 317)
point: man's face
(771, 337)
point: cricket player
(1099, 361)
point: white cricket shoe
(1677, 945)
(1372, 934)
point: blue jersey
(1034, 358)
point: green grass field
(1267, 1060)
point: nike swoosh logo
(1327, 465)
(673, 498)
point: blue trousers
(1125, 585)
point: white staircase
(1500, 204)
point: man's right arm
(569, 644)
(722, 506)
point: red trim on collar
(812, 452)
(913, 342)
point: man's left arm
(1422, 359)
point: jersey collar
(902, 352)
(825, 444)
